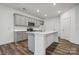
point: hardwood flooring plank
(3, 50)
(0, 51)
(13, 47)
(21, 48)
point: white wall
(7, 25)
(69, 14)
(52, 24)
(74, 14)
(77, 24)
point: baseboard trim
(14, 42)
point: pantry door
(66, 29)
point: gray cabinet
(19, 20)
(25, 35)
(37, 23)
(20, 35)
(22, 20)
(26, 21)
(41, 22)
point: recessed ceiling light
(37, 10)
(59, 11)
(45, 15)
(54, 4)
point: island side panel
(40, 44)
(31, 42)
(50, 38)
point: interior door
(66, 29)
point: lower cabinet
(20, 35)
(25, 35)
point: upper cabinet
(37, 23)
(16, 20)
(26, 21)
(41, 22)
(20, 20)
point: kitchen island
(39, 41)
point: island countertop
(43, 32)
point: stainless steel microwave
(31, 24)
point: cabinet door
(29, 20)
(22, 20)
(17, 20)
(18, 36)
(25, 35)
(26, 21)
(37, 23)
(32, 20)
(41, 22)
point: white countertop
(45, 32)
(19, 30)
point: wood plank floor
(15, 49)
(63, 47)
(21, 48)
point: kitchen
(38, 24)
(30, 24)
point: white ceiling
(44, 8)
